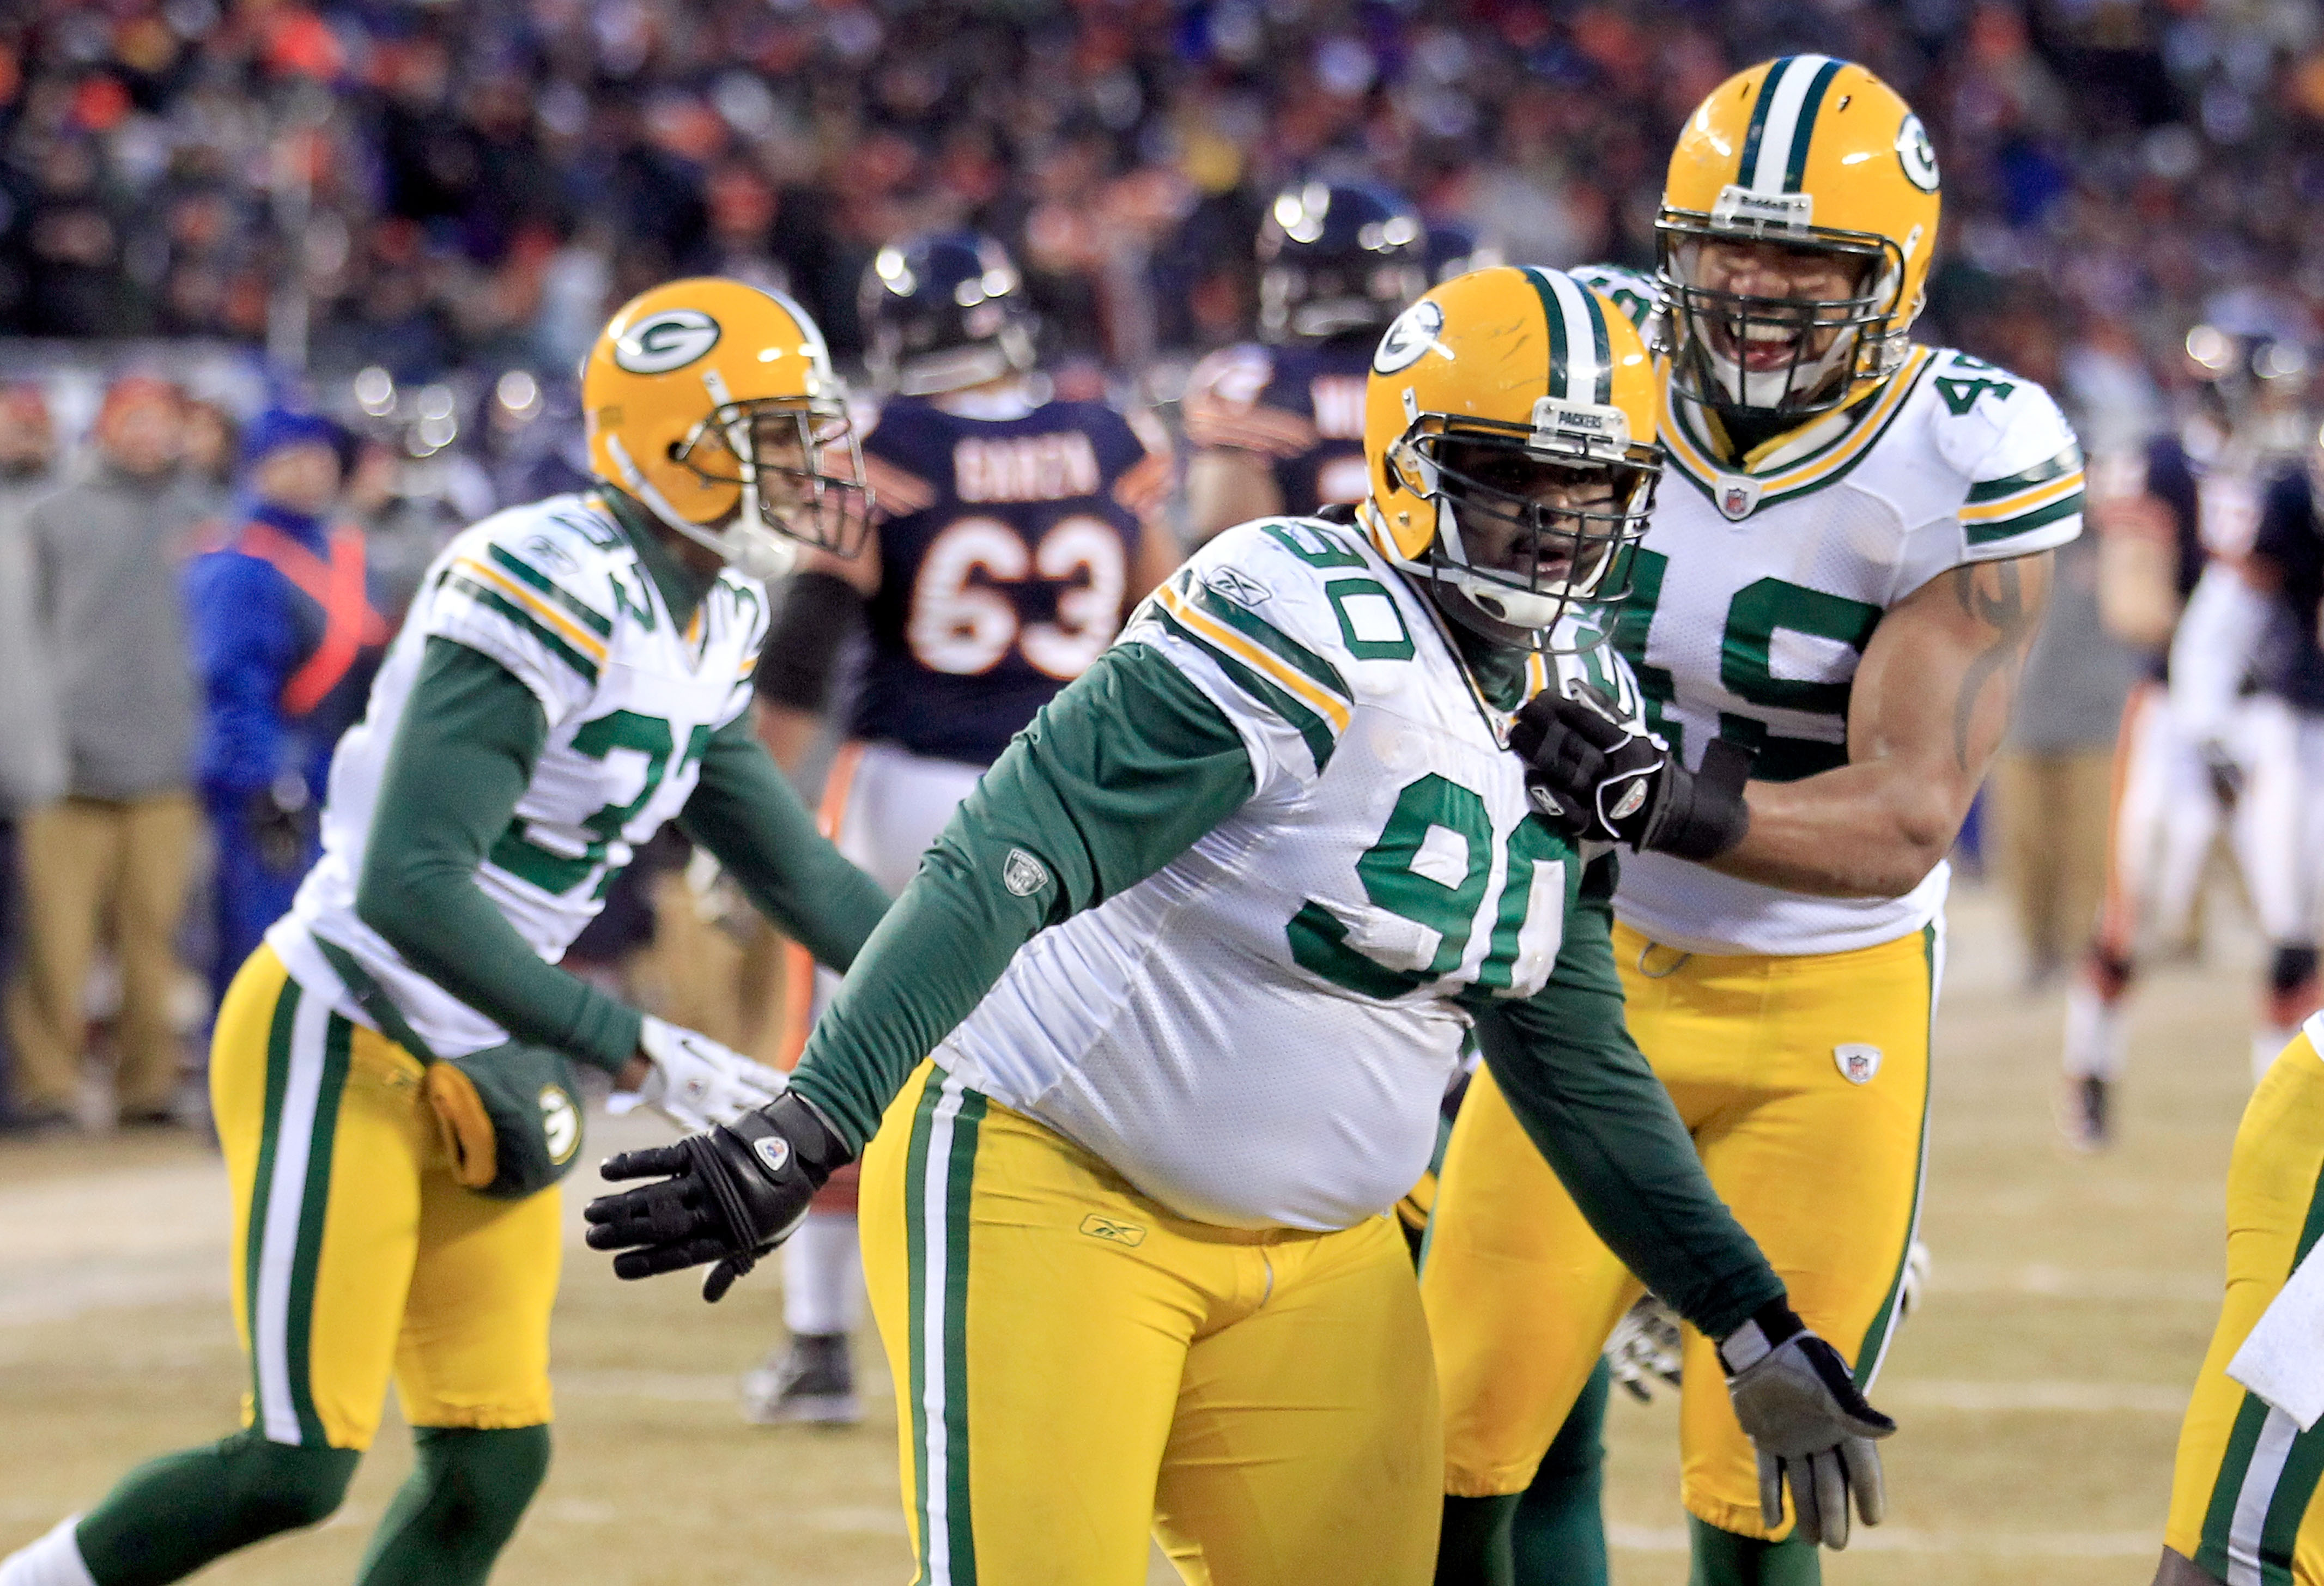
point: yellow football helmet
(1510, 429)
(1815, 155)
(714, 404)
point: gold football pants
(1077, 1368)
(1805, 1083)
(356, 1258)
(2242, 1498)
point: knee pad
(276, 1487)
(2291, 966)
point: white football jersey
(554, 592)
(1758, 587)
(1260, 1034)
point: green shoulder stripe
(2025, 522)
(2064, 463)
(591, 619)
(1262, 632)
(500, 603)
(1312, 728)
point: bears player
(2229, 734)
(1846, 568)
(1279, 426)
(1012, 534)
(1157, 1036)
(574, 674)
(2242, 1496)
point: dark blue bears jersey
(1006, 547)
(1301, 408)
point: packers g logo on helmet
(662, 342)
(714, 404)
(1509, 433)
(1814, 156)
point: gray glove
(1799, 1406)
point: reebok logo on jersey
(1112, 1232)
(773, 1150)
(1238, 586)
(1023, 874)
(1857, 1062)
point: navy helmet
(943, 311)
(1456, 247)
(1337, 257)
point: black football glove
(1799, 1406)
(728, 1197)
(1594, 774)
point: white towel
(2282, 1359)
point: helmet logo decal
(1916, 155)
(671, 339)
(1600, 430)
(1409, 336)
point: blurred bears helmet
(1815, 155)
(1510, 431)
(1336, 257)
(942, 312)
(715, 404)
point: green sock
(1559, 1538)
(172, 1516)
(1473, 1547)
(459, 1507)
(1722, 1558)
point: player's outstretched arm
(462, 757)
(1577, 1082)
(1930, 702)
(1118, 776)
(747, 814)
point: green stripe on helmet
(1757, 130)
(1554, 317)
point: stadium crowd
(412, 218)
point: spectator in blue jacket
(286, 632)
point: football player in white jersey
(389, 1070)
(1848, 564)
(1157, 1036)
(2230, 734)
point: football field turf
(2039, 1387)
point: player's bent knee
(276, 1487)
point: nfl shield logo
(1737, 497)
(1023, 874)
(1857, 1062)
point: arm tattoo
(2005, 610)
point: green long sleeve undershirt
(1119, 775)
(462, 757)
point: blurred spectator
(2053, 780)
(117, 851)
(212, 439)
(31, 742)
(287, 633)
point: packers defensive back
(1158, 1033)
(1846, 566)
(388, 1071)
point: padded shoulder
(1635, 292)
(538, 587)
(2016, 458)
